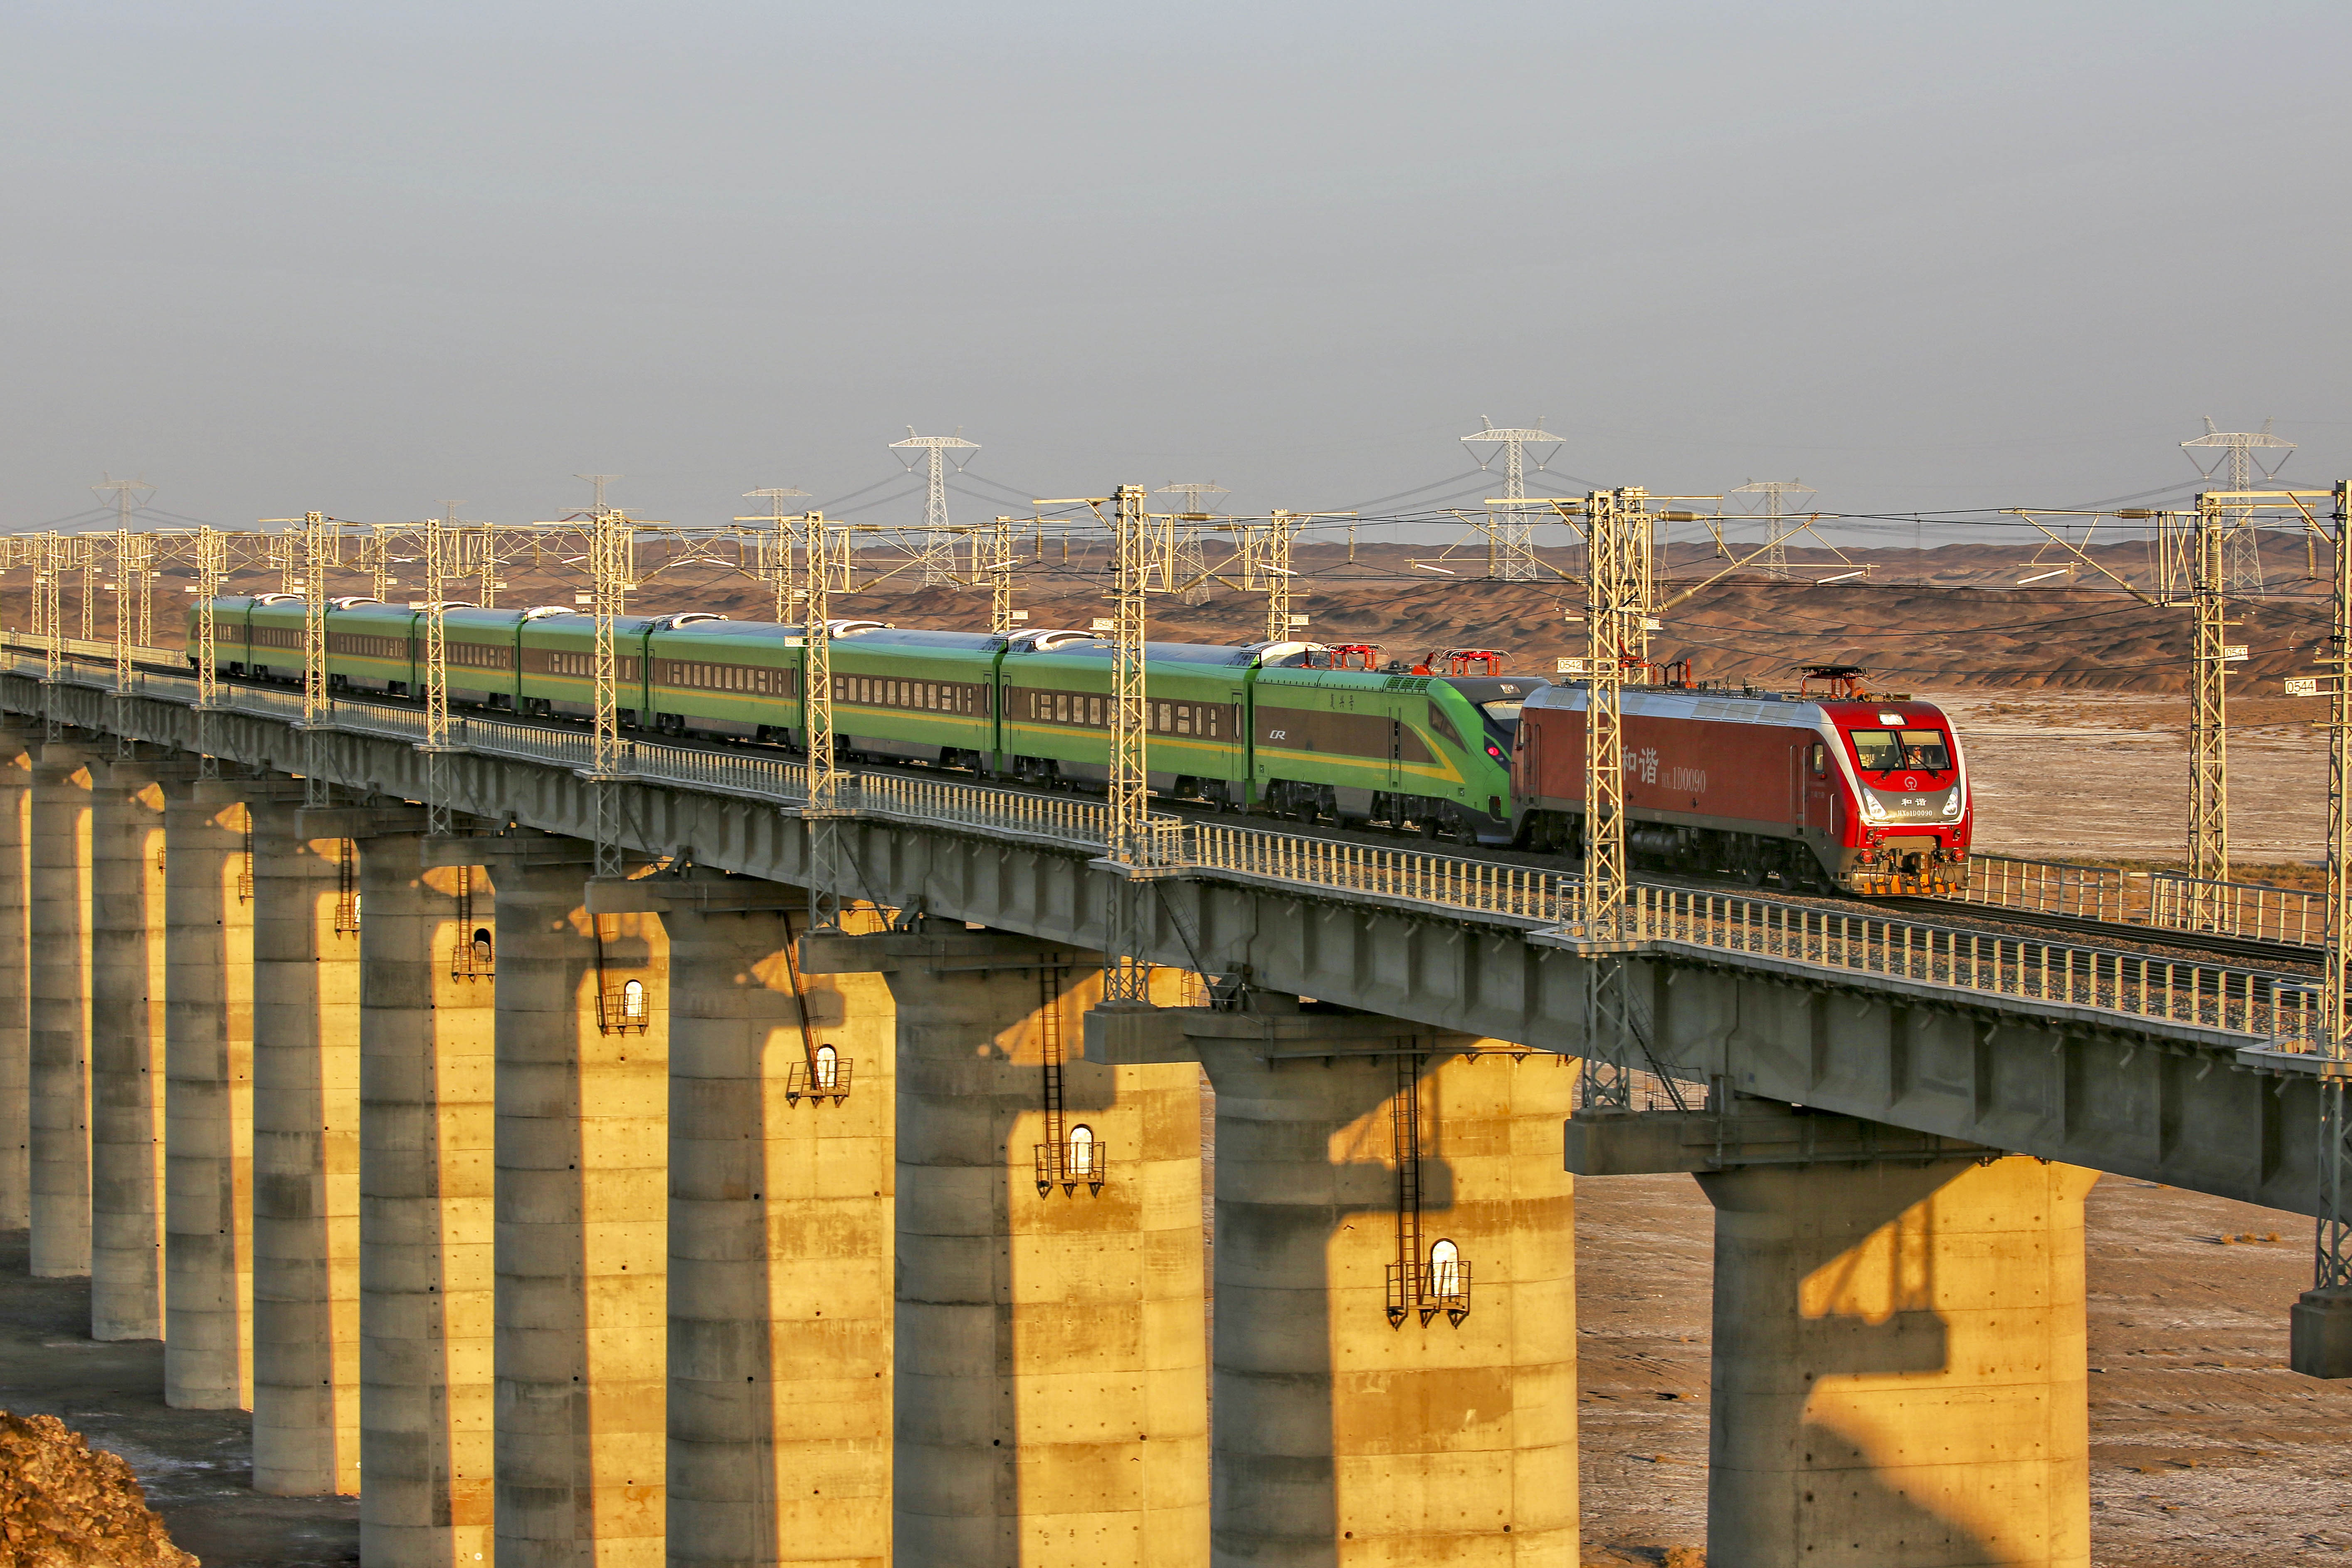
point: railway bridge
(614, 1219)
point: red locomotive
(1842, 790)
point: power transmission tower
(1616, 605)
(1620, 529)
(2216, 523)
(1275, 564)
(48, 609)
(379, 548)
(131, 553)
(1270, 557)
(2314, 1351)
(1188, 562)
(315, 550)
(1775, 494)
(1512, 532)
(211, 567)
(85, 556)
(1127, 976)
(998, 573)
(600, 481)
(612, 561)
(937, 555)
(776, 548)
(440, 534)
(823, 814)
(2241, 556)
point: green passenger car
(707, 674)
(1057, 718)
(918, 696)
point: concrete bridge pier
(15, 982)
(781, 1192)
(1051, 1393)
(1898, 1372)
(208, 1101)
(427, 1128)
(306, 1114)
(126, 1052)
(582, 1197)
(1395, 1356)
(58, 1016)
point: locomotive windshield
(1881, 750)
(1505, 713)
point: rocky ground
(194, 1464)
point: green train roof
(1170, 653)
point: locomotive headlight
(1952, 802)
(1870, 806)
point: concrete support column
(583, 1192)
(780, 1234)
(1395, 1354)
(126, 1053)
(208, 1101)
(1899, 1375)
(59, 1012)
(16, 983)
(1052, 1397)
(306, 1117)
(427, 1077)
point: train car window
(1820, 759)
(1183, 718)
(1875, 748)
(1209, 714)
(1061, 708)
(1442, 724)
(1925, 749)
(1167, 723)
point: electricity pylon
(775, 551)
(1513, 531)
(212, 562)
(441, 535)
(997, 572)
(1188, 564)
(2241, 556)
(1127, 977)
(315, 550)
(1620, 529)
(1775, 493)
(2215, 525)
(937, 555)
(611, 562)
(2313, 1351)
(823, 814)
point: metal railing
(2159, 901)
(2209, 994)
(2045, 886)
(1406, 876)
(2291, 916)
(2068, 974)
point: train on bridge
(1837, 789)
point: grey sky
(273, 257)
